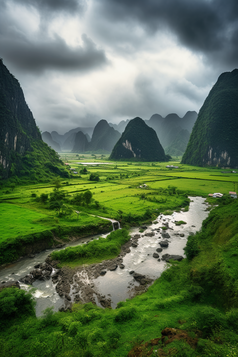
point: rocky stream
(141, 260)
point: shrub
(15, 302)
(125, 314)
(191, 250)
(209, 319)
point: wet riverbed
(119, 285)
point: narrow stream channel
(119, 285)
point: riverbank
(27, 245)
(190, 311)
(119, 284)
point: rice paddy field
(124, 188)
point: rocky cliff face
(17, 125)
(213, 141)
(138, 142)
(19, 136)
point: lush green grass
(94, 251)
(15, 221)
(117, 195)
(199, 295)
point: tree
(56, 182)
(87, 197)
(43, 197)
(94, 177)
(84, 171)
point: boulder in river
(164, 243)
(155, 255)
(10, 284)
(165, 235)
(134, 245)
(150, 234)
(113, 267)
(159, 250)
(168, 257)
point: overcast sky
(79, 61)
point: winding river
(119, 285)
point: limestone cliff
(213, 141)
(22, 150)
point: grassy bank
(198, 296)
(97, 250)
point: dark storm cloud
(54, 6)
(50, 53)
(208, 26)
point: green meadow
(131, 192)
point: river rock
(36, 273)
(122, 266)
(134, 245)
(103, 272)
(159, 250)
(131, 272)
(155, 255)
(164, 243)
(150, 234)
(165, 235)
(181, 235)
(67, 296)
(113, 267)
(143, 227)
(46, 274)
(138, 277)
(10, 284)
(28, 279)
(168, 257)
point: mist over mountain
(213, 141)
(172, 131)
(22, 150)
(138, 142)
(104, 137)
(47, 138)
(67, 140)
(80, 143)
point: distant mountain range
(173, 133)
(214, 139)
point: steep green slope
(213, 141)
(138, 142)
(22, 151)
